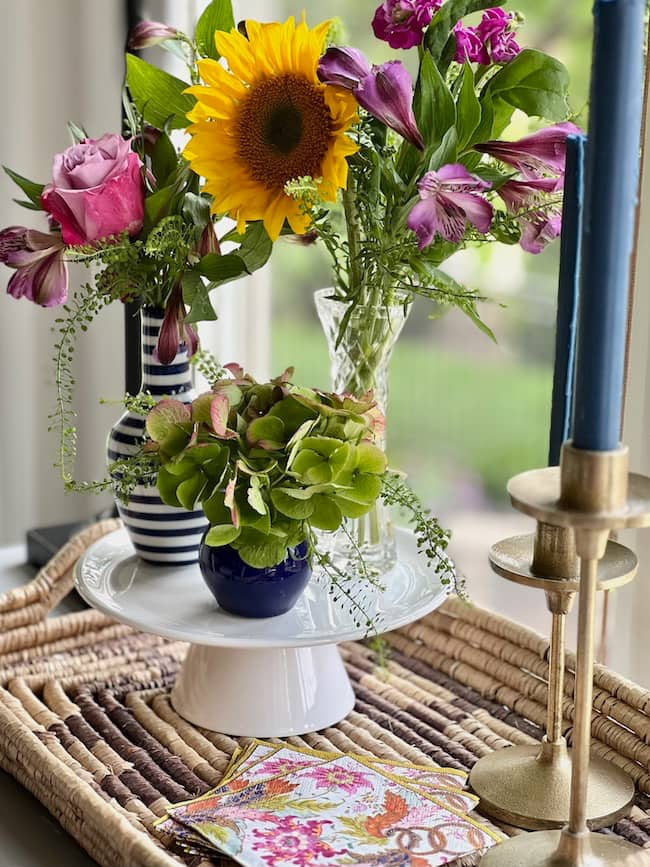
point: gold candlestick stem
(593, 495)
(556, 673)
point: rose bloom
(97, 190)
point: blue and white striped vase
(160, 534)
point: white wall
(58, 61)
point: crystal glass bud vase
(160, 533)
(360, 360)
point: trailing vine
(432, 540)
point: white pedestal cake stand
(274, 677)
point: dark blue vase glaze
(249, 592)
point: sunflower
(268, 120)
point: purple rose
(97, 190)
(401, 22)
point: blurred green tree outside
(464, 414)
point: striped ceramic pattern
(160, 533)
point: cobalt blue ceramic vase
(249, 592)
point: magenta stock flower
(542, 153)
(539, 218)
(449, 199)
(343, 66)
(145, 34)
(495, 30)
(385, 91)
(469, 45)
(492, 41)
(41, 272)
(401, 23)
(97, 190)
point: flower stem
(354, 238)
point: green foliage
(533, 82)
(158, 96)
(217, 15)
(439, 35)
(267, 462)
(31, 189)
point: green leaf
(495, 117)
(222, 534)
(326, 514)
(219, 269)
(267, 430)
(439, 33)
(31, 206)
(197, 295)
(469, 109)
(433, 103)
(215, 510)
(190, 490)
(31, 189)
(261, 551)
(164, 159)
(218, 15)
(370, 458)
(167, 485)
(158, 96)
(351, 509)
(77, 133)
(535, 83)
(165, 417)
(290, 506)
(197, 209)
(446, 152)
(255, 246)
(255, 498)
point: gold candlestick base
(530, 787)
(543, 849)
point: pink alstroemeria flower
(145, 34)
(41, 272)
(537, 155)
(386, 91)
(450, 198)
(539, 219)
(174, 330)
(401, 23)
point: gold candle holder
(592, 494)
(529, 786)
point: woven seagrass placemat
(87, 726)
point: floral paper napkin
(279, 805)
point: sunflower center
(284, 130)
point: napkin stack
(280, 805)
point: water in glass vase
(359, 363)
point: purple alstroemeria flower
(450, 198)
(174, 330)
(542, 153)
(343, 66)
(385, 91)
(469, 45)
(145, 34)
(539, 219)
(41, 272)
(401, 23)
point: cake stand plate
(271, 677)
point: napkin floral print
(336, 812)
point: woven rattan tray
(87, 726)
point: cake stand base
(263, 692)
(540, 850)
(530, 786)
